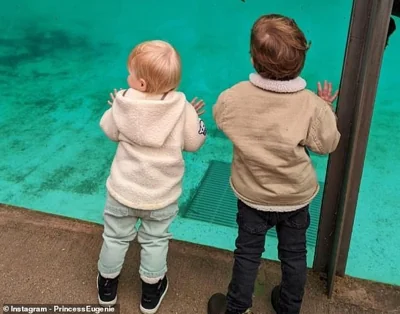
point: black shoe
(217, 304)
(152, 296)
(275, 295)
(107, 290)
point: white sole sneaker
(101, 302)
(153, 311)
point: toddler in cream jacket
(152, 123)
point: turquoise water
(60, 60)
(374, 251)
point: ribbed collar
(291, 86)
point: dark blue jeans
(253, 225)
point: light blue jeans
(153, 234)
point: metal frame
(362, 64)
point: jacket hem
(141, 206)
(276, 207)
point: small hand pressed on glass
(326, 92)
(112, 96)
(198, 105)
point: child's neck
(291, 86)
(135, 93)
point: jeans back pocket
(165, 213)
(114, 208)
(299, 219)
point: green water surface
(59, 60)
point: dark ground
(49, 259)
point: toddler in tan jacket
(272, 119)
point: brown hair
(158, 63)
(278, 47)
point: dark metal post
(367, 92)
(365, 47)
(345, 111)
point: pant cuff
(108, 275)
(152, 277)
(151, 281)
(108, 272)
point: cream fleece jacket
(148, 166)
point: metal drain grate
(214, 202)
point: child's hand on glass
(112, 96)
(326, 92)
(198, 105)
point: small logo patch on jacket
(203, 129)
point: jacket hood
(148, 122)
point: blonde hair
(158, 63)
(278, 47)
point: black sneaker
(275, 295)
(152, 296)
(217, 305)
(107, 290)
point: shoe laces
(152, 291)
(108, 285)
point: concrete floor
(47, 259)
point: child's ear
(143, 85)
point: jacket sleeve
(108, 125)
(219, 109)
(194, 130)
(323, 135)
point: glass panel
(60, 60)
(374, 251)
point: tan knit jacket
(270, 123)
